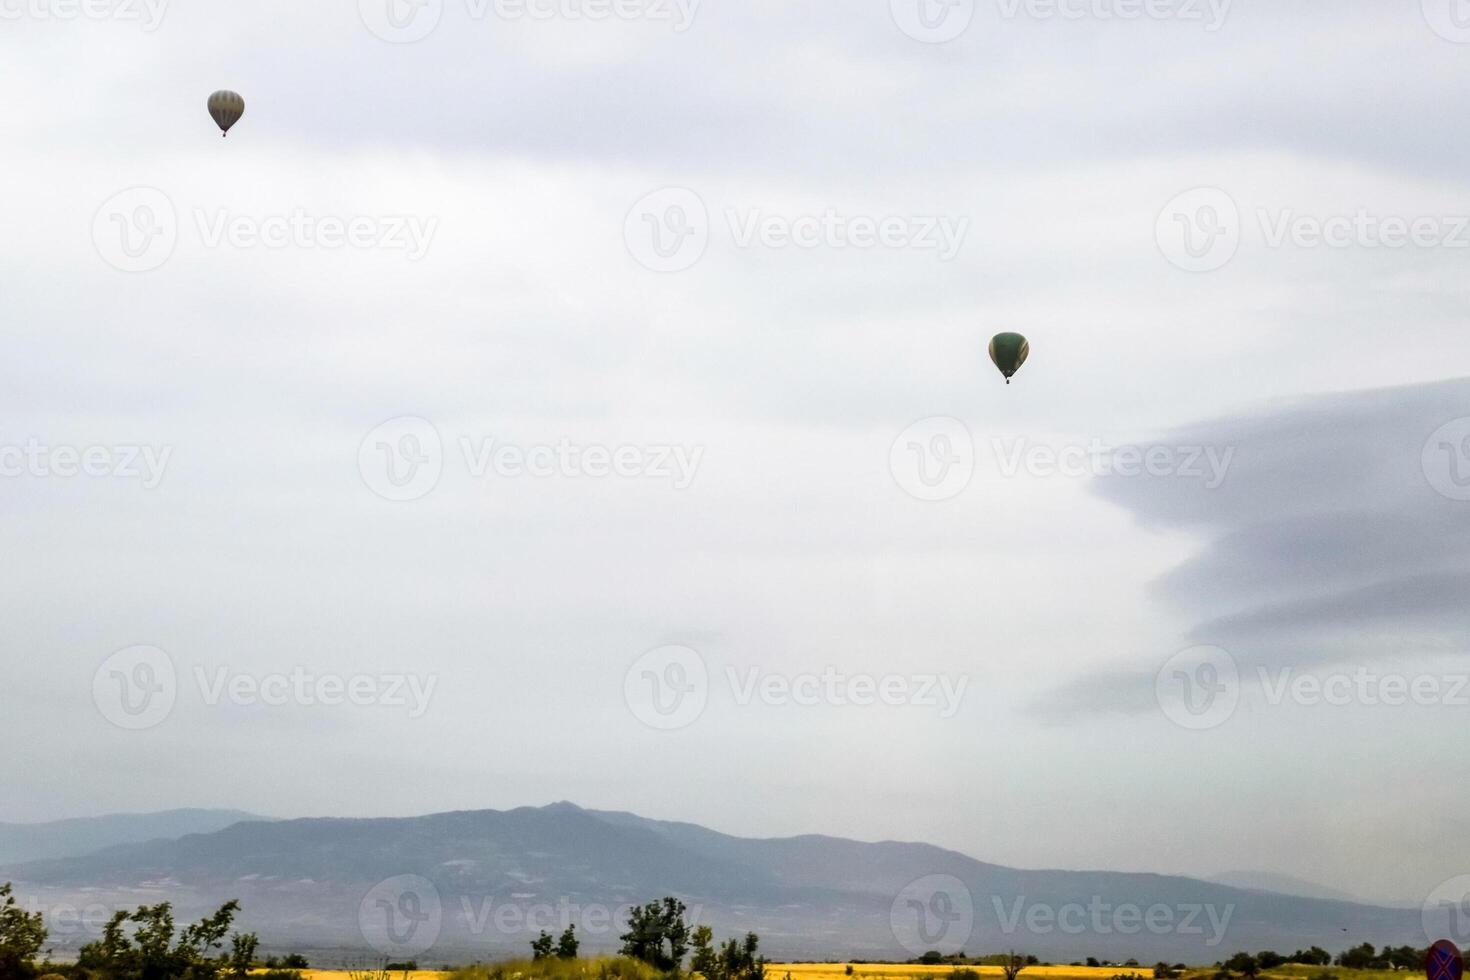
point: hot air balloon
(1009, 351)
(226, 107)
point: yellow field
(838, 971)
(897, 971)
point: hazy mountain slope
(64, 838)
(1281, 884)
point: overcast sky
(603, 402)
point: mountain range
(82, 835)
(451, 887)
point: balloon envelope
(226, 108)
(1009, 351)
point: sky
(532, 400)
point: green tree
(22, 934)
(657, 934)
(541, 946)
(566, 946)
(153, 953)
(703, 961)
(1243, 963)
(741, 960)
(242, 952)
(1012, 965)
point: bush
(964, 973)
(553, 968)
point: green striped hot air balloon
(1009, 351)
(226, 108)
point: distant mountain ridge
(83, 835)
(484, 882)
